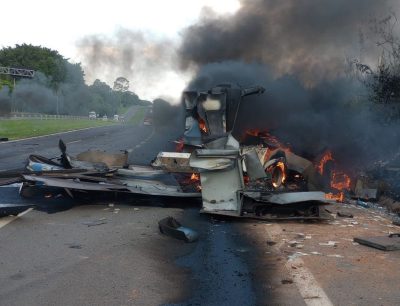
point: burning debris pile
(256, 176)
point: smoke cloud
(297, 50)
(148, 62)
(332, 115)
(307, 38)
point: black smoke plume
(297, 50)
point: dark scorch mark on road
(219, 273)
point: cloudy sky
(159, 44)
(66, 25)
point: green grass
(138, 117)
(23, 128)
(123, 109)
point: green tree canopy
(38, 58)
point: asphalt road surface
(111, 253)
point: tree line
(58, 86)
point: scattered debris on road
(95, 222)
(249, 176)
(385, 243)
(171, 227)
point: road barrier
(14, 116)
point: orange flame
(340, 181)
(327, 157)
(195, 177)
(269, 139)
(179, 145)
(253, 132)
(282, 166)
(202, 126)
(337, 197)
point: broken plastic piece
(169, 226)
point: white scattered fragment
(296, 255)
(136, 209)
(356, 243)
(316, 253)
(335, 255)
(293, 243)
(308, 237)
(300, 235)
(299, 246)
(111, 205)
(329, 243)
(354, 222)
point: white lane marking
(60, 133)
(307, 285)
(75, 141)
(144, 141)
(151, 135)
(6, 220)
(309, 288)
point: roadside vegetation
(58, 86)
(138, 117)
(123, 109)
(24, 128)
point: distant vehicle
(116, 117)
(148, 121)
(105, 118)
(92, 115)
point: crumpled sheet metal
(74, 184)
(157, 188)
(117, 160)
(254, 168)
(213, 160)
(290, 197)
(134, 186)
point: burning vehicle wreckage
(256, 177)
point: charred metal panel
(295, 197)
(254, 168)
(173, 162)
(221, 178)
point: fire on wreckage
(258, 178)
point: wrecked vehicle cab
(226, 167)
